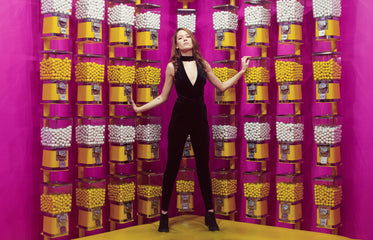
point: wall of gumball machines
(57, 133)
(131, 163)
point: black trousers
(188, 119)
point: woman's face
(184, 41)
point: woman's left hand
(245, 63)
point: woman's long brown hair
(175, 53)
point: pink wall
(20, 173)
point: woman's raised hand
(245, 63)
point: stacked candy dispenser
(121, 19)
(327, 70)
(90, 14)
(89, 76)
(55, 204)
(225, 70)
(289, 189)
(289, 133)
(290, 19)
(121, 194)
(56, 16)
(327, 14)
(185, 190)
(90, 136)
(289, 75)
(257, 79)
(224, 133)
(328, 136)
(90, 198)
(186, 18)
(188, 148)
(149, 192)
(121, 74)
(148, 78)
(256, 191)
(148, 135)
(257, 21)
(257, 130)
(328, 199)
(224, 189)
(56, 134)
(55, 73)
(225, 22)
(122, 134)
(148, 23)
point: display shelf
(328, 136)
(56, 135)
(148, 135)
(225, 24)
(147, 26)
(55, 204)
(148, 78)
(90, 137)
(185, 190)
(327, 71)
(89, 76)
(289, 134)
(256, 187)
(224, 189)
(257, 130)
(90, 199)
(224, 133)
(186, 18)
(122, 131)
(55, 73)
(289, 188)
(257, 20)
(121, 74)
(121, 20)
(149, 192)
(224, 70)
(328, 199)
(121, 194)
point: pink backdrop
(20, 174)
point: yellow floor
(191, 227)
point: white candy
(56, 137)
(289, 11)
(224, 132)
(225, 20)
(327, 134)
(121, 14)
(257, 132)
(121, 134)
(56, 6)
(326, 8)
(187, 21)
(148, 20)
(90, 134)
(148, 132)
(289, 132)
(90, 9)
(257, 15)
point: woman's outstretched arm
(222, 86)
(163, 97)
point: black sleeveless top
(186, 92)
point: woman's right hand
(134, 106)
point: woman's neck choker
(187, 58)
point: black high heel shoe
(163, 223)
(210, 221)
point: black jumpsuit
(189, 116)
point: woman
(188, 71)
